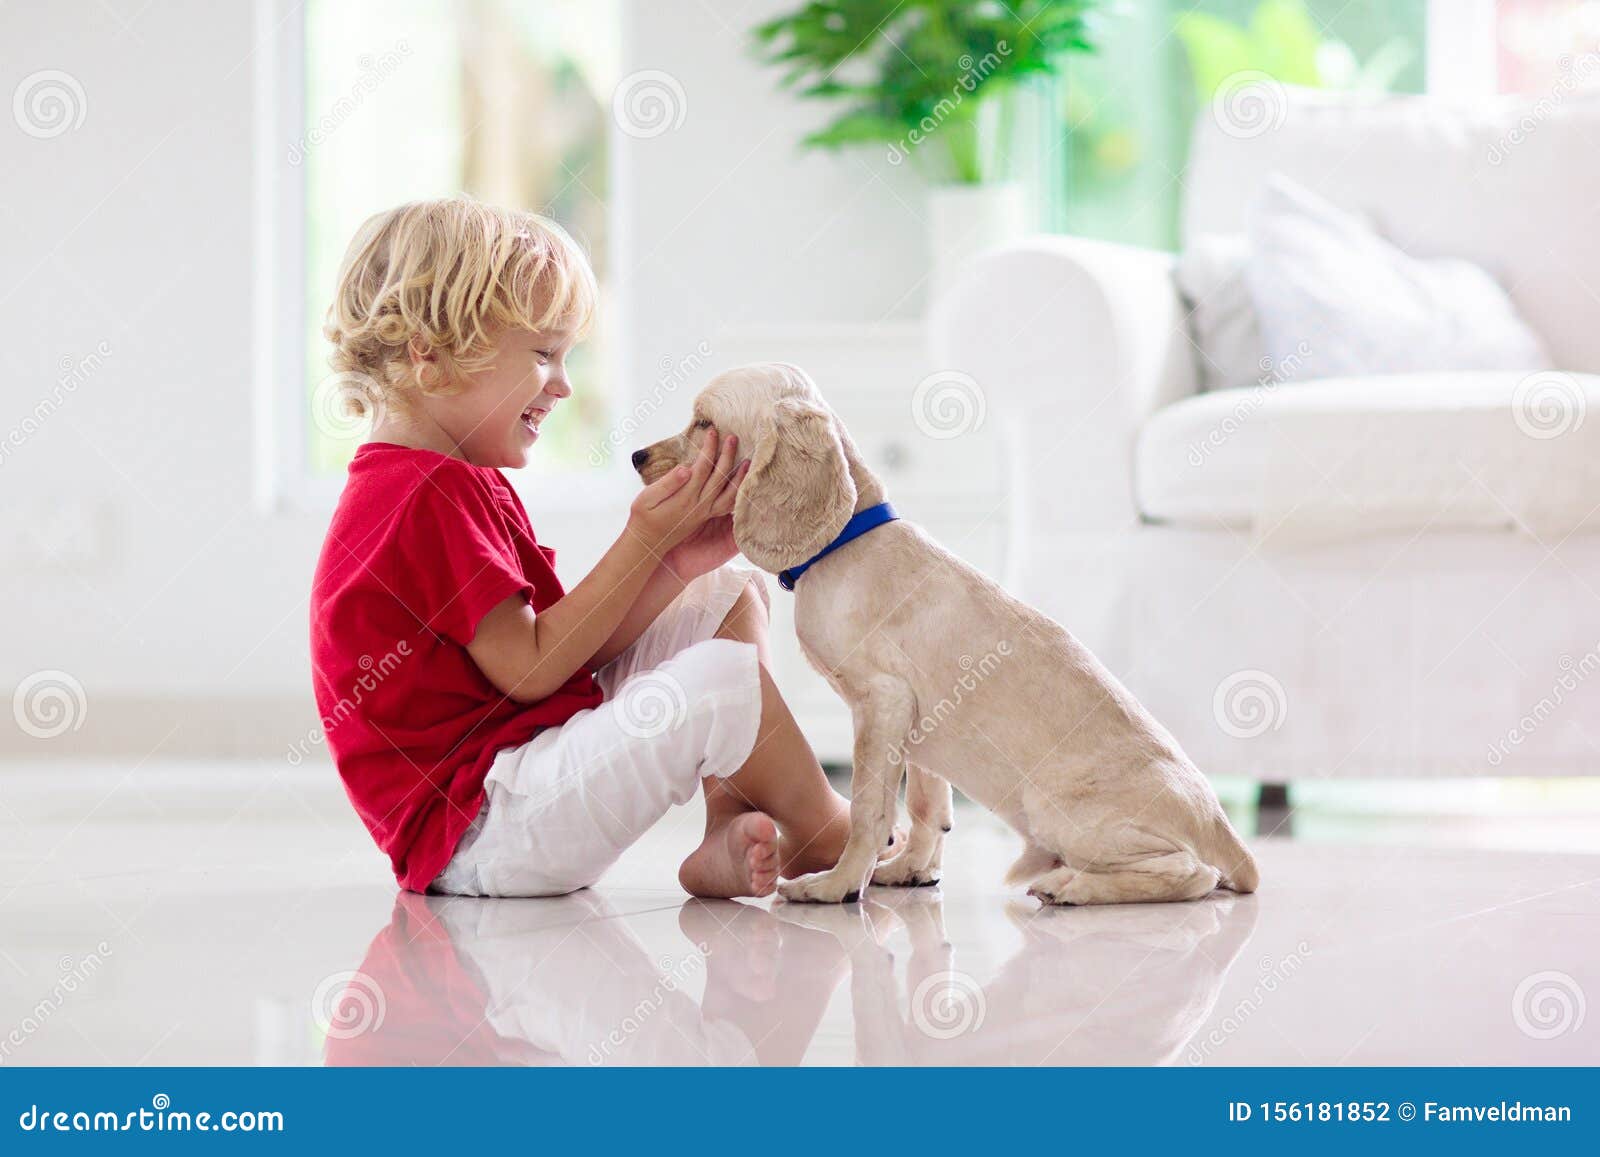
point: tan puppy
(951, 680)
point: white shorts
(680, 704)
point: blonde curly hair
(445, 275)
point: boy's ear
(798, 494)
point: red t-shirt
(421, 547)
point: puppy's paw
(900, 873)
(1053, 888)
(821, 888)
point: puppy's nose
(639, 457)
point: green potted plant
(921, 79)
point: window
(404, 99)
(1547, 48)
(1115, 172)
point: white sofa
(1395, 576)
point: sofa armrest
(1074, 344)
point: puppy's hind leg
(1154, 879)
(928, 800)
(1034, 861)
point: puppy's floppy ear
(798, 494)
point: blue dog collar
(860, 522)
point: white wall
(130, 553)
(727, 222)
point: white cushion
(1334, 299)
(1509, 185)
(1210, 273)
(1361, 454)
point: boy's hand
(703, 551)
(674, 507)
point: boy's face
(495, 417)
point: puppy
(952, 681)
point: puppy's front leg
(928, 801)
(882, 721)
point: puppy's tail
(1233, 859)
(1033, 863)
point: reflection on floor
(233, 914)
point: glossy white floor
(235, 914)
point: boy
(499, 735)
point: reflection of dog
(1140, 983)
(1036, 729)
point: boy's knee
(748, 618)
(722, 685)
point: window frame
(282, 478)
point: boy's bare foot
(741, 943)
(739, 857)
